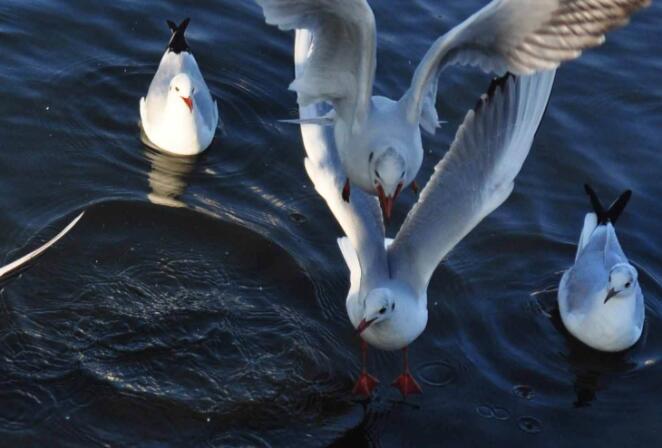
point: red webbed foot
(407, 385)
(365, 384)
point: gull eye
(628, 284)
(377, 174)
(382, 311)
(392, 306)
(371, 156)
(403, 174)
(177, 89)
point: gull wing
(14, 265)
(340, 66)
(475, 176)
(361, 218)
(516, 36)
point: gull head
(379, 306)
(623, 279)
(387, 171)
(182, 87)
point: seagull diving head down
(388, 172)
(623, 281)
(181, 87)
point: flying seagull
(378, 138)
(387, 300)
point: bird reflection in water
(168, 177)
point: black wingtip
(615, 209)
(499, 82)
(178, 42)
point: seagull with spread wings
(387, 300)
(379, 139)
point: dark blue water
(201, 302)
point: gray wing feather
(474, 177)
(519, 36)
(361, 218)
(340, 67)
(9, 268)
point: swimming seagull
(17, 264)
(599, 298)
(379, 139)
(178, 115)
(387, 299)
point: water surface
(200, 302)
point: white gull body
(379, 139)
(599, 297)
(388, 291)
(178, 115)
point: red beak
(387, 202)
(363, 325)
(189, 102)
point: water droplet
(298, 218)
(208, 419)
(523, 391)
(67, 417)
(438, 373)
(501, 413)
(485, 411)
(529, 424)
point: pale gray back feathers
(590, 274)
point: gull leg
(345, 191)
(414, 188)
(406, 382)
(366, 382)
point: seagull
(17, 264)
(599, 298)
(178, 115)
(379, 139)
(387, 299)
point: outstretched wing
(5, 270)
(475, 176)
(361, 218)
(516, 36)
(340, 66)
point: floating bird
(379, 139)
(387, 300)
(178, 115)
(600, 300)
(17, 264)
